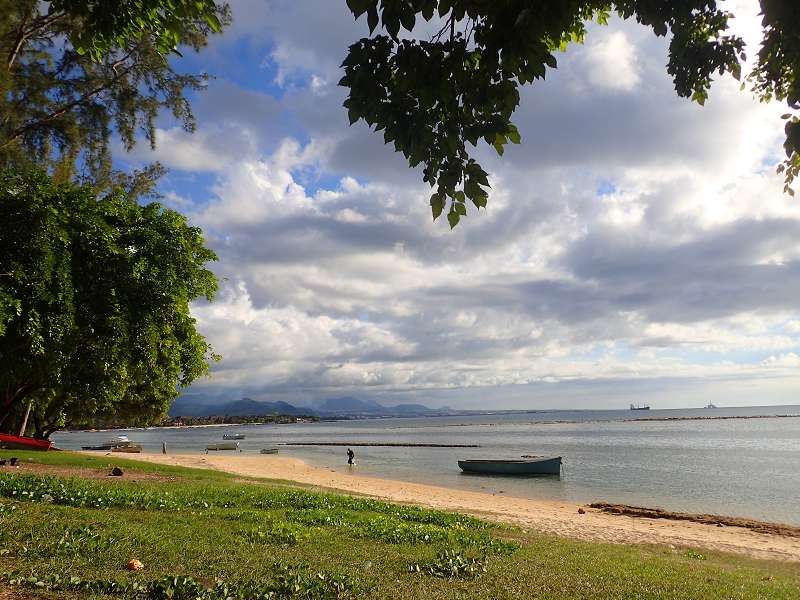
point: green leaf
(392, 25)
(352, 115)
(482, 177)
(214, 23)
(372, 18)
(358, 7)
(437, 205)
(479, 201)
(453, 218)
(444, 7)
(407, 19)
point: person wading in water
(350, 457)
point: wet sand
(554, 517)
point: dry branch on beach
(659, 513)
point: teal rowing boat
(540, 465)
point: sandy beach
(559, 518)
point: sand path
(556, 517)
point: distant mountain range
(332, 407)
(240, 408)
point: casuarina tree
(76, 72)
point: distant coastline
(252, 419)
(216, 421)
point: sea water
(736, 467)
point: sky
(636, 246)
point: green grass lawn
(205, 534)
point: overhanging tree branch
(39, 25)
(15, 47)
(63, 96)
(395, 82)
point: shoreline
(158, 427)
(560, 518)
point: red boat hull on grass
(17, 442)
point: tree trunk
(25, 419)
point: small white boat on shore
(223, 446)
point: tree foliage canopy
(433, 97)
(76, 71)
(94, 304)
(118, 23)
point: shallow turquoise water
(740, 467)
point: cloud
(790, 359)
(633, 239)
(381, 298)
(612, 63)
(283, 345)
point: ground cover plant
(207, 535)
